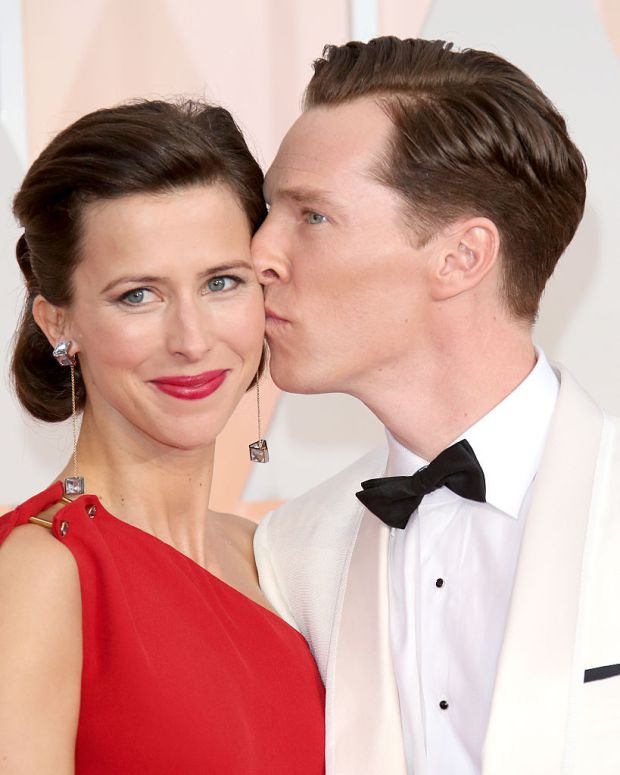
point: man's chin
(290, 380)
(289, 385)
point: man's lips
(192, 387)
(273, 316)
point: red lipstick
(191, 388)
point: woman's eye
(217, 284)
(137, 296)
(315, 218)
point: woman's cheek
(126, 341)
(244, 327)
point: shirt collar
(508, 441)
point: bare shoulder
(235, 556)
(33, 538)
(33, 554)
(245, 527)
(237, 530)
(40, 652)
(37, 569)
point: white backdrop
(28, 451)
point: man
(465, 619)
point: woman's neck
(159, 489)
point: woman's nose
(190, 334)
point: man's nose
(269, 254)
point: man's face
(345, 286)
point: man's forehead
(329, 143)
(348, 129)
(302, 178)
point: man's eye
(136, 296)
(226, 283)
(315, 218)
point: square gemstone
(259, 452)
(74, 485)
(61, 353)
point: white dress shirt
(451, 577)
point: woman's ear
(52, 320)
(470, 251)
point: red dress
(182, 673)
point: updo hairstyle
(144, 147)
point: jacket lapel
(362, 694)
(527, 727)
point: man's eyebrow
(306, 195)
(147, 279)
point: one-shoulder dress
(182, 673)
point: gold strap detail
(48, 523)
(43, 522)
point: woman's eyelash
(135, 297)
(221, 278)
(137, 294)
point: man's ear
(469, 252)
(52, 320)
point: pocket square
(598, 673)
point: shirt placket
(440, 538)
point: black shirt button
(439, 583)
(443, 705)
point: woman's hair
(144, 147)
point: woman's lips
(191, 388)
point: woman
(134, 636)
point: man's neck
(427, 408)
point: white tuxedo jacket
(322, 562)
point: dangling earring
(74, 485)
(259, 452)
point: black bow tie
(394, 498)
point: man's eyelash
(308, 213)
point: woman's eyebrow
(148, 279)
(133, 279)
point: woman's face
(167, 314)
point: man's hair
(473, 135)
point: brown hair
(473, 135)
(141, 147)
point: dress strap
(48, 523)
(40, 521)
(32, 510)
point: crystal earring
(259, 452)
(74, 485)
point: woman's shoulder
(32, 530)
(38, 574)
(32, 552)
(236, 538)
(242, 527)
(40, 650)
